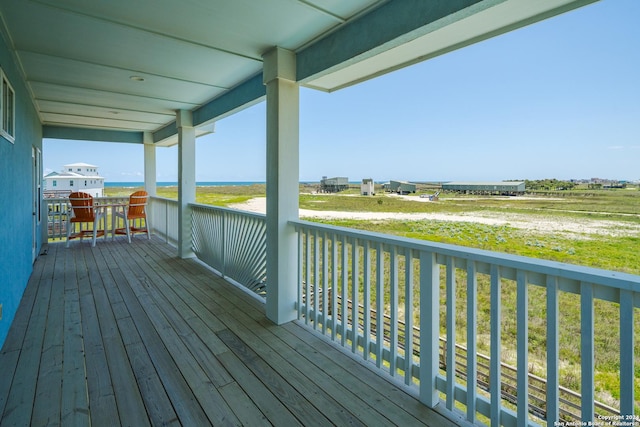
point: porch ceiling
(83, 62)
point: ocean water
(175, 184)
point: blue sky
(557, 99)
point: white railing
(163, 218)
(489, 294)
(423, 306)
(58, 209)
(233, 243)
(230, 241)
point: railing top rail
(163, 199)
(228, 210)
(578, 273)
(109, 198)
(66, 199)
(214, 208)
(56, 200)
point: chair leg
(95, 235)
(126, 224)
(104, 227)
(69, 226)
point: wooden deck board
(48, 389)
(20, 401)
(351, 410)
(148, 385)
(130, 334)
(75, 402)
(10, 354)
(144, 312)
(128, 398)
(181, 318)
(296, 403)
(177, 340)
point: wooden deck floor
(132, 335)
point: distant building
(333, 185)
(74, 177)
(367, 187)
(503, 187)
(400, 187)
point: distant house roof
(80, 165)
(71, 175)
(484, 183)
(65, 175)
(393, 181)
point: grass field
(216, 196)
(597, 229)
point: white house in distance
(367, 187)
(74, 177)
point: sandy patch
(566, 226)
(414, 198)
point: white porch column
(149, 164)
(282, 183)
(186, 180)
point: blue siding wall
(16, 196)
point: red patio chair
(84, 212)
(133, 214)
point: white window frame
(7, 129)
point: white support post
(495, 372)
(282, 183)
(522, 340)
(186, 180)
(149, 164)
(553, 350)
(429, 328)
(627, 376)
(587, 351)
(472, 341)
(451, 333)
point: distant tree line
(549, 184)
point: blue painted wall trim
(16, 215)
(165, 132)
(392, 20)
(59, 132)
(248, 92)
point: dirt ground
(565, 226)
